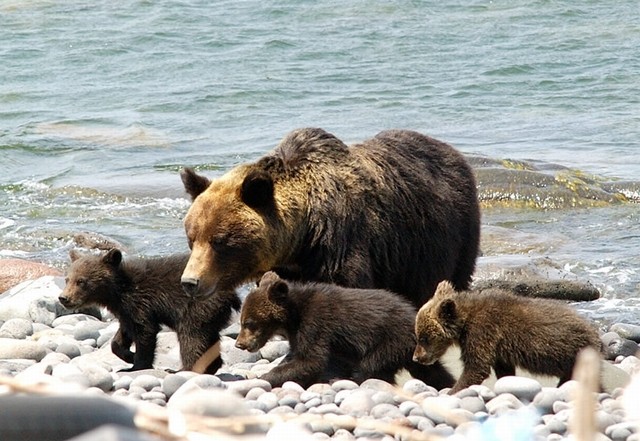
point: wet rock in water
(624, 330)
(537, 287)
(96, 241)
(615, 346)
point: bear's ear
(447, 310)
(74, 254)
(194, 183)
(278, 292)
(113, 257)
(257, 190)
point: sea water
(102, 103)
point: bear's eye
(81, 282)
(424, 341)
(250, 325)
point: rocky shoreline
(50, 352)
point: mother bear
(398, 212)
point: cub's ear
(74, 254)
(194, 183)
(447, 311)
(278, 292)
(257, 190)
(113, 257)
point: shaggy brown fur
(325, 212)
(500, 330)
(333, 332)
(144, 294)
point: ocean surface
(102, 103)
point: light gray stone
(436, 408)
(173, 382)
(385, 410)
(71, 350)
(525, 389)
(502, 403)
(211, 402)
(43, 310)
(274, 349)
(358, 403)
(17, 328)
(146, 382)
(24, 349)
(628, 331)
(16, 302)
(241, 387)
(414, 386)
(344, 385)
(88, 329)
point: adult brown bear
(398, 212)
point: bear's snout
(190, 285)
(66, 301)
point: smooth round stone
(630, 364)
(88, 329)
(255, 405)
(618, 430)
(469, 429)
(435, 407)
(315, 402)
(377, 384)
(292, 386)
(254, 393)
(212, 402)
(455, 417)
(620, 347)
(300, 408)
(54, 358)
(258, 370)
(288, 431)
(443, 430)
(233, 355)
(282, 410)
(546, 398)
(604, 420)
(326, 408)
(241, 387)
(269, 400)
(540, 431)
(473, 404)
(383, 397)
(146, 382)
(385, 410)
(40, 328)
(414, 386)
(343, 435)
(72, 320)
(358, 403)
(289, 400)
(70, 373)
(502, 403)
(21, 349)
(173, 382)
(13, 366)
(104, 339)
(344, 385)
(322, 389)
(624, 330)
(274, 350)
(17, 328)
(308, 395)
(554, 424)
(483, 392)
(366, 433)
(71, 350)
(407, 406)
(340, 396)
(424, 424)
(124, 382)
(98, 376)
(322, 426)
(43, 310)
(36, 370)
(523, 388)
(154, 395)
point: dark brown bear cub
(144, 294)
(496, 329)
(333, 332)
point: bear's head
(437, 325)
(233, 229)
(264, 313)
(91, 279)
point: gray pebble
(363, 432)
(241, 387)
(288, 400)
(414, 386)
(455, 417)
(630, 364)
(624, 330)
(406, 407)
(14, 366)
(88, 329)
(21, 349)
(385, 410)
(292, 386)
(619, 346)
(54, 358)
(473, 404)
(340, 396)
(483, 392)
(99, 377)
(344, 385)
(383, 397)
(525, 389)
(172, 382)
(70, 373)
(123, 382)
(254, 393)
(358, 403)
(282, 410)
(314, 402)
(269, 400)
(71, 350)
(546, 398)
(274, 350)
(618, 431)
(540, 431)
(322, 427)
(212, 402)
(307, 395)
(17, 328)
(503, 403)
(443, 430)
(43, 310)
(146, 382)
(71, 320)
(343, 435)
(435, 408)
(554, 424)
(327, 408)
(377, 385)
(232, 355)
(604, 420)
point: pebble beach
(51, 353)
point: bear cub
(499, 330)
(144, 294)
(333, 332)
